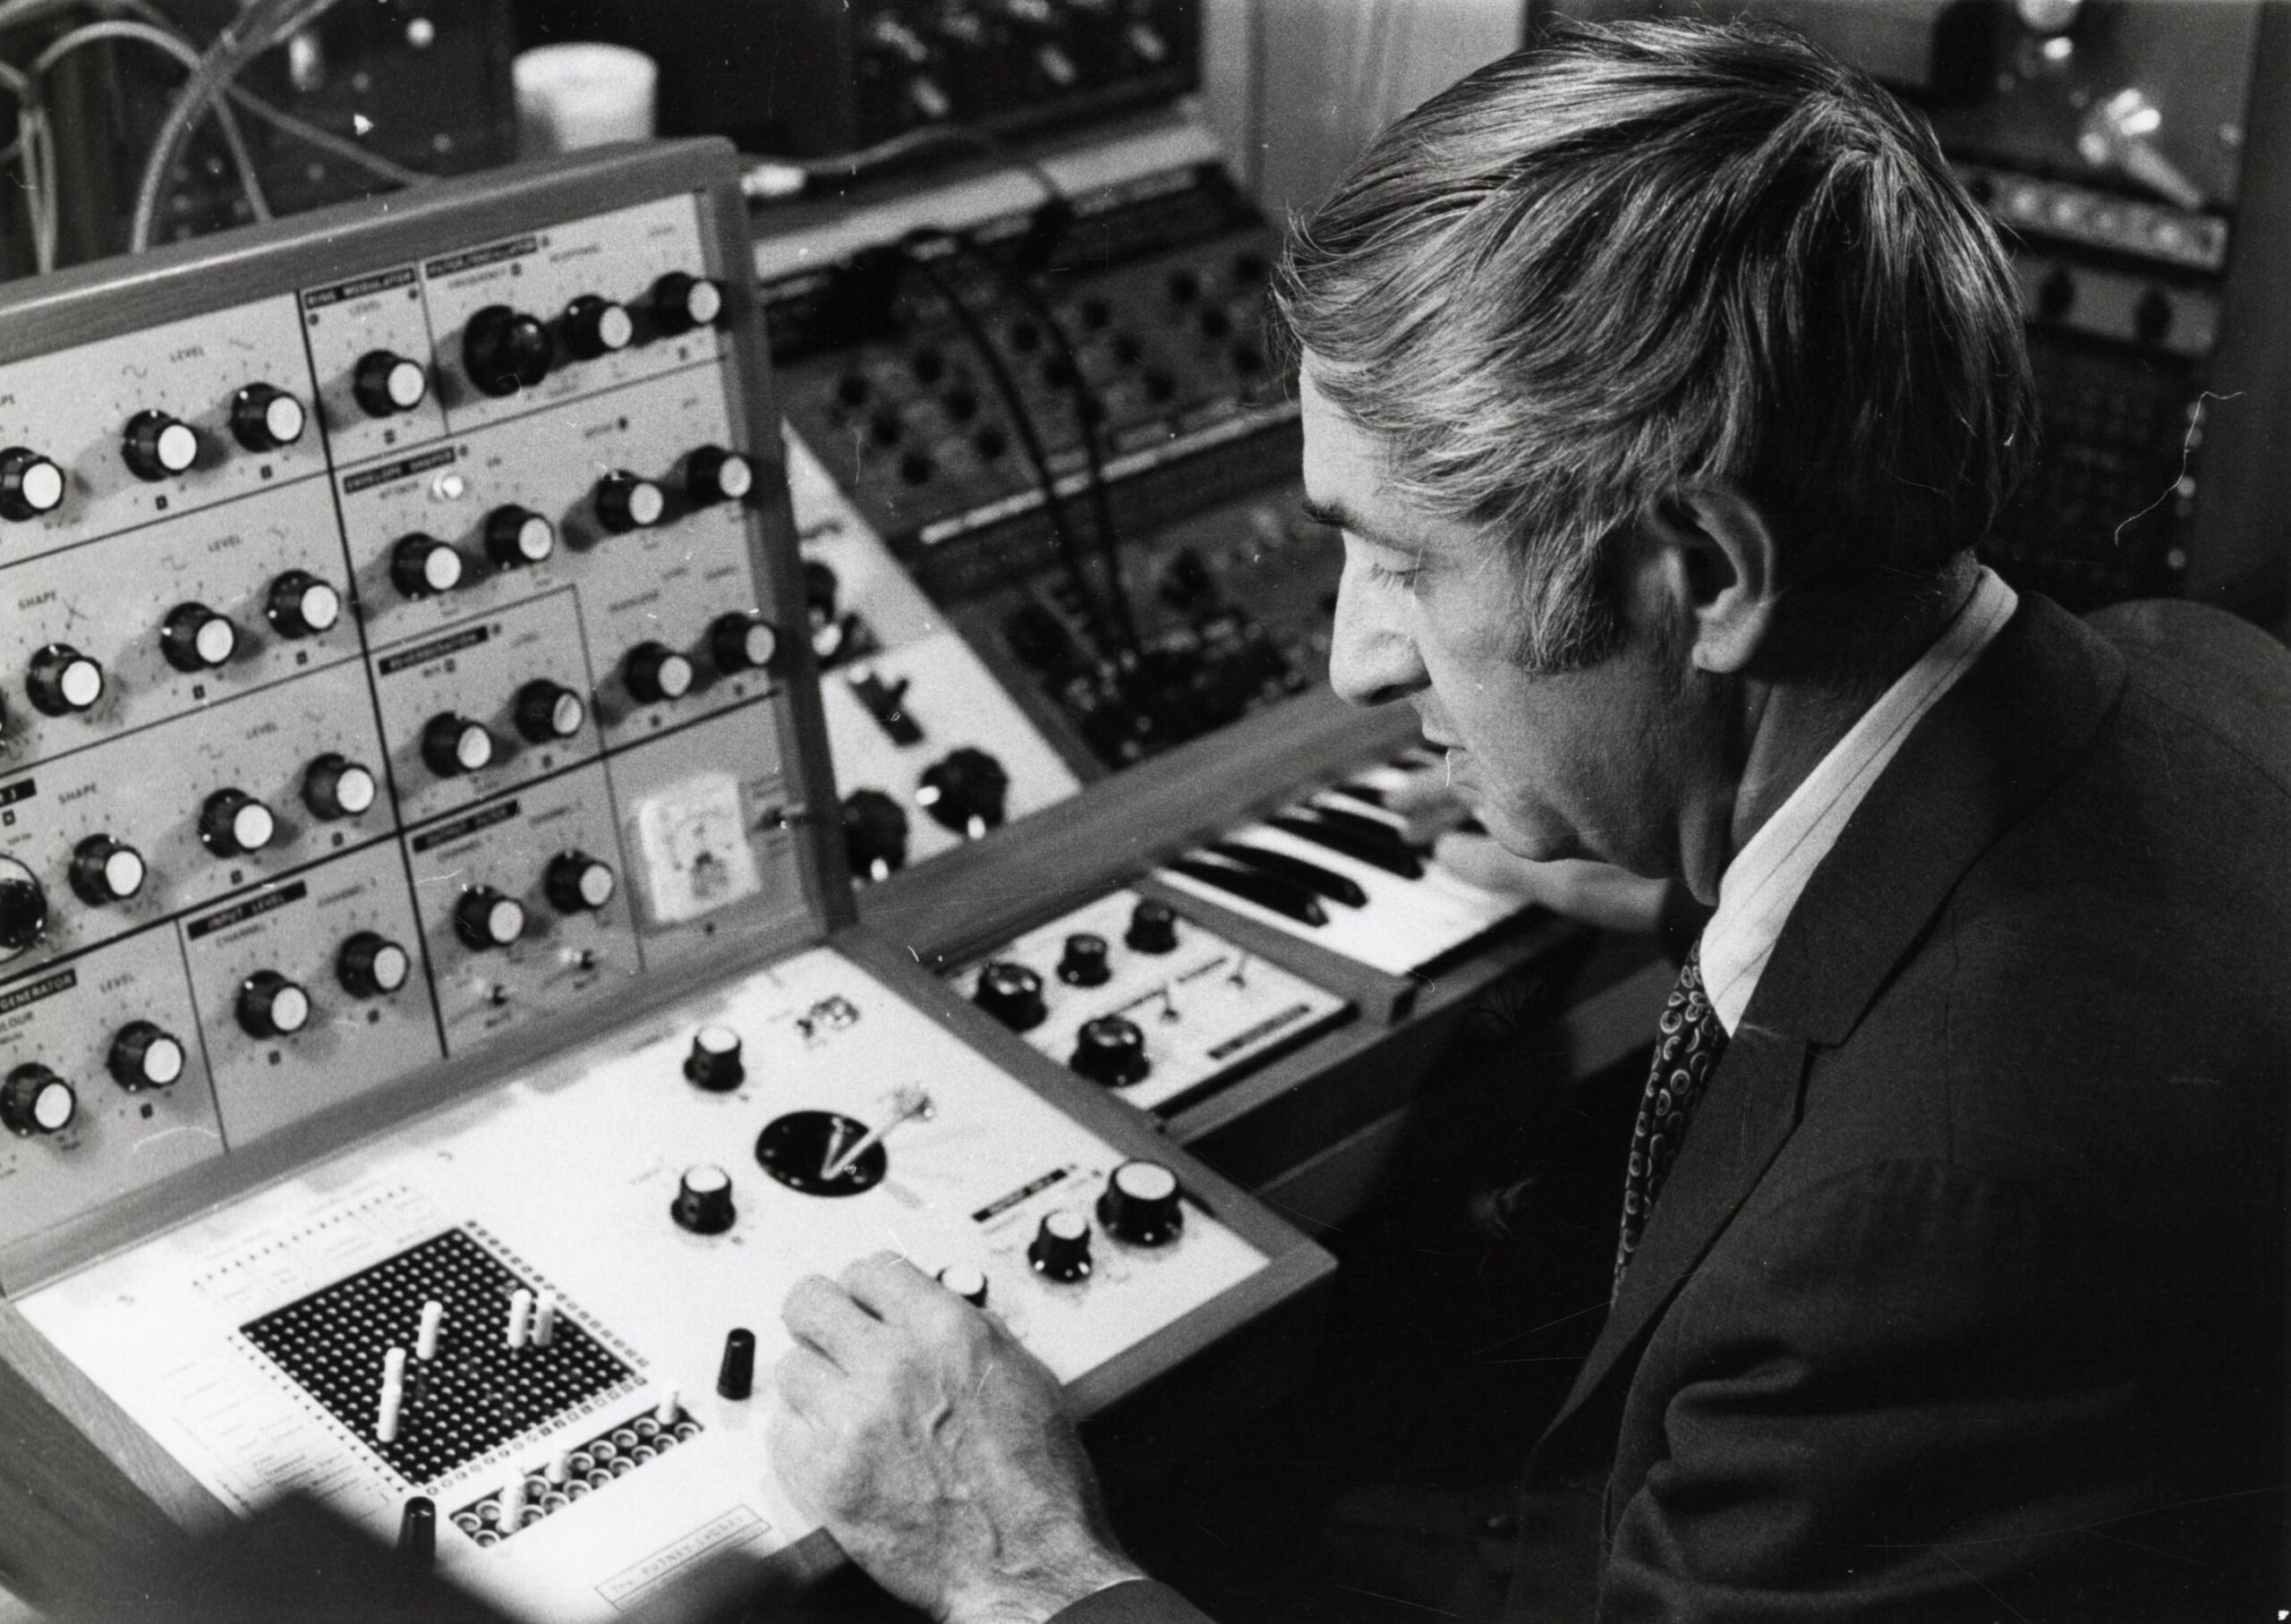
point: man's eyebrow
(1336, 516)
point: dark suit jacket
(1964, 1298)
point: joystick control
(1012, 994)
(143, 1057)
(714, 1063)
(1061, 1248)
(1152, 927)
(1111, 1051)
(704, 1203)
(1084, 962)
(966, 791)
(1141, 1204)
(36, 1101)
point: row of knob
(105, 871)
(62, 682)
(423, 565)
(1109, 1050)
(503, 350)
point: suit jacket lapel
(1998, 741)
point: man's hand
(936, 1450)
(1589, 893)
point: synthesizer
(436, 1030)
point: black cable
(1085, 419)
(1021, 419)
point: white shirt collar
(1766, 877)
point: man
(1660, 382)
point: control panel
(557, 1367)
(1155, 1007)
(393, 663)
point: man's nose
(1372, 657)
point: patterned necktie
(1687, 1047)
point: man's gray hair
(1635, 259)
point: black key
(1312, 876)
(1323, 828)
(1254, 885)
(1366, 794)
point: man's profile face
(1573, 765)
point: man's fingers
(819, 1312)
(803, 1379)
(895, 1291)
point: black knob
(874, 834)
(36, 1101)
(595, 327)
(713, 474)
(265, 419)
(1111, 1051)
(546, 712)
(1061, 1248)
(158, 446)
(578, 883)
(967, 1282)
(742, 642)
(704, 1203)
(272, 1007)
(714, 1063)
(104, 870)
(736, 1376)
(335, 786)
(31, 484)
(143, 1057)
(1010, 993)
(505, 351)
(1140, 1205)
(233, 823)
(627, 501)
(417, 1532)
(654, 672)
(1152, 927)
(680, 302)
(385, 385)
(23, 908)
(301, 605)
(484, 918)
(515, 536)
(966, 791)
(370, 965)
(452, 744)
(63, 680)
(1084, 962)
(195, 638)
(421, 566)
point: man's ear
(1710, 553)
